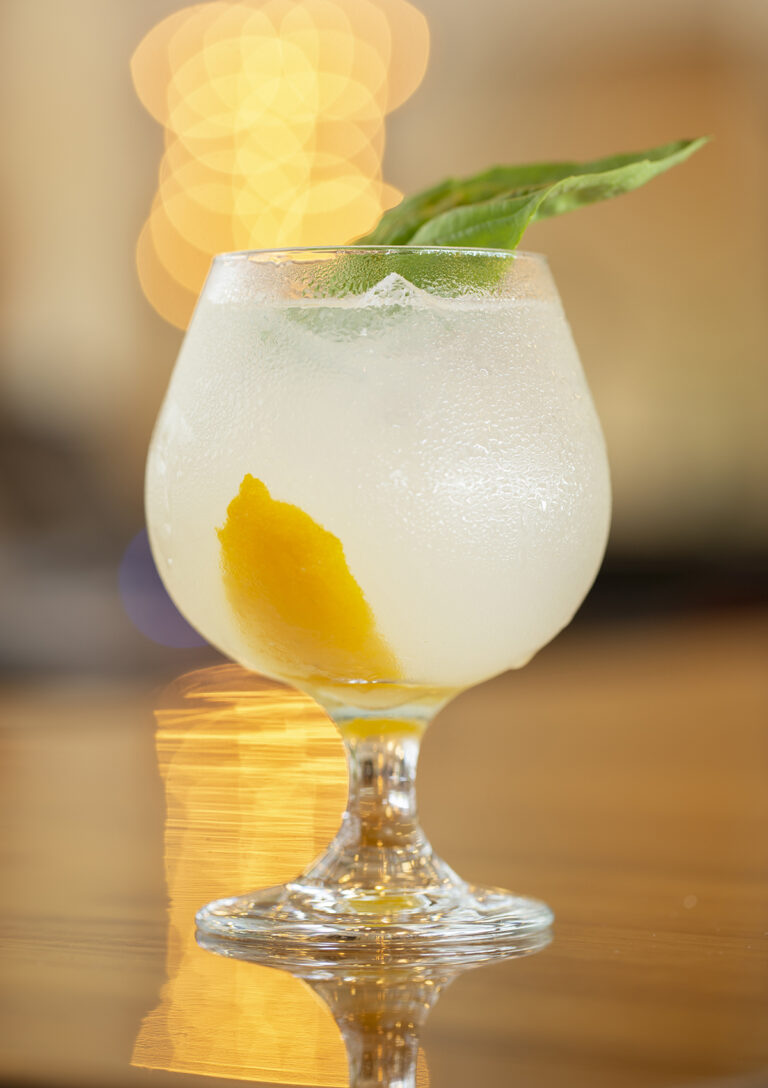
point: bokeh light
(146, 600)
(274, 129)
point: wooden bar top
(621, 777)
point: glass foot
(293, 920)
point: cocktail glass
(378, 475)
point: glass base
(293, 921)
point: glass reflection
(255, 780)
(381, 1007)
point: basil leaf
(492, 224)
(493, 208)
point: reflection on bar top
(255, 782)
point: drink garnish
(295, 599)
(493, 209)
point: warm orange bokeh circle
(274, 129)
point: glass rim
(286, 251)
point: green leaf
(493, 209)
(492, 224)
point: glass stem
(380, 849)
(381, 810)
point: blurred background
(141, 138)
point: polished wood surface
(621, 777)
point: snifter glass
(378, 475)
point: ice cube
(393, 290)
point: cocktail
(378, 475)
